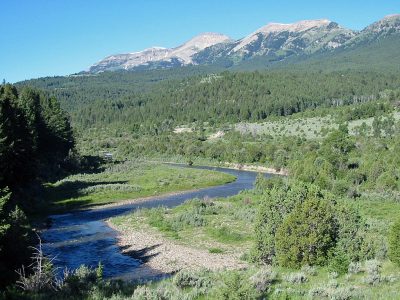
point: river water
(83, 237)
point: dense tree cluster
(35, 135)
(35, 141)
(348, 165)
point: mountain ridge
(181, 55)
(276, 41)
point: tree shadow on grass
(71, 190)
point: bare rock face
(181, 55)
(186, 51)
(129, 60)
(301, 37)
(276, 41)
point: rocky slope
(274, 41)
(158, 56)
(281, 40)
(389, 25)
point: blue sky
(54, 37)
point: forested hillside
(115, 99)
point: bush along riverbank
(345, 260)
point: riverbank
(235, 166)
(121, 183)
(254, 168)
(161, 256)
(232, 166)
(143, 199)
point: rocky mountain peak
(294, 37)
(392, 17)
(386, 26)
(390, 21)
(186, 51)
(181, 55)
(293, 27)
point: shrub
(165, 290)
(156, 218)
(354, 268)
(274, 207)
(43, 277)
(309, 270)
(373, 270)
(247, 214)
(374, 245)
(187, 278)
(263, 279)
(115, 187)
(339, 263)
(307, 235)
(342, 293)
(225, 234)
(80, 280)
(387, 181)
(318, 292)
(350, 235)
(235, 286)
(143, 293)
(188, 218)
(394, 243)
(372, 266)
(296, 278)
(333, 275)
(300, 224)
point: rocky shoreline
(253, 168)
(162, 257)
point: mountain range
(274, 42)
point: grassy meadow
(127, 180)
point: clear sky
(60, 37)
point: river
(83, 237)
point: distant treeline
(144, 101)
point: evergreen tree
(17, 156)
(14, 238)
(57, 131)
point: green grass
(215, 250)
(129, 180)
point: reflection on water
(84, 238)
